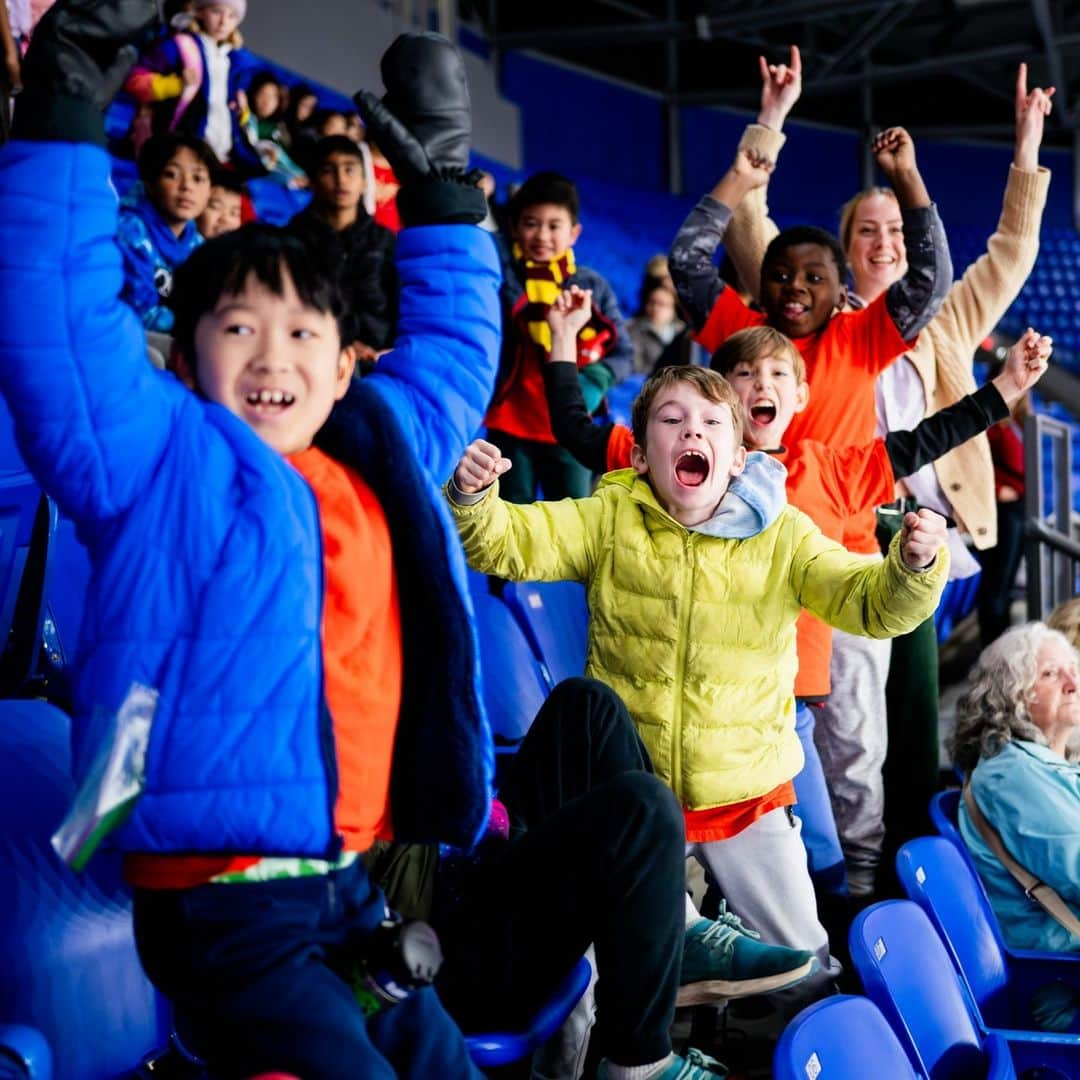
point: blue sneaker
(723, 959)
(695, 1066)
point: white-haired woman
(1012, 729)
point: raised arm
(979, 300)
(915, 299)
(438, 378)
(909, 451)
(693, 251)
(543, 541)
(751, 228)
(92, 417)
(874, 599)
(570, 421)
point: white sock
(637, 1072)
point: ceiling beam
(873, 30)
(891, 73)
(1044, 21)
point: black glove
(423, 125)
(79, 55)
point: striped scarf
(543, 283)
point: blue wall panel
(585, 127)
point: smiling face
(182, 190)
(691, 452)
(875, 245)
(1054, 701)
(222, 214)
(545, 231)
(219, 21)
(771, 393)
(800, 289)
(274, 361)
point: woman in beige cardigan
(935, 373)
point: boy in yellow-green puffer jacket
(695, 569)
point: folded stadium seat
(492, 1049)
(70, 969)
(841, 1038)
(907, 973)
(946, 886)
(513, 683)
(24, 1054)
(555, 619)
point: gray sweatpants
(851, 737)
(763, 874)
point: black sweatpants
(596, 855)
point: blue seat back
(944, 813)
(492, 1049)
(937, 877)
(70, 969)
(555, 619)
(514, 686)
(841, 1038)
(908, 974)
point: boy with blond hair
(696, 570)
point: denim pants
(256, 974)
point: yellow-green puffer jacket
(696, 633)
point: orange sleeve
(728, 315)
(618, 448)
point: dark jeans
(596, 855)
(254, 972)
(539, 465)
(999, 566)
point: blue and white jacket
(206, 544)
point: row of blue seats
(947, 998)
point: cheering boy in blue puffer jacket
(297, 604)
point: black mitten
(423, 125)
(79, 55)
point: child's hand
(1031, 113)
(480, 466)
(922, 536)
(781, 85)
(569, 314)
(895, 153)
(752, 168)
(1024, 366)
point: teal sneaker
(695, 1066)
(723, 959)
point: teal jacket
(1032, 797)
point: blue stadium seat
(70, 969)
(957, 602)
(514, 685)
(944, 884)
(24, 1054)
(555, 619)
(907, 973)
(493, 1049)
(841, 1038)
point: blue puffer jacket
(206, 544)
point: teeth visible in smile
(270, 397)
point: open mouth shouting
(793, 311)
(691, 468)
(762, 414)
(269, 402)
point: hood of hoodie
(753, 501)
(174, 249)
